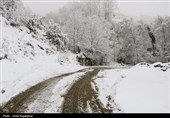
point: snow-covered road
(98, 90)
(53, 95)
(46, 96)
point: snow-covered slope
(145, 88)
(27, 59)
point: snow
(143, 88)
(146, 89)
(28, 62)
(88, 109)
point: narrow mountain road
(80, 98)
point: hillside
(28, 58)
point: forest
(97, 32)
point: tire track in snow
(39, 93)
(81, 98)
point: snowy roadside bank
(145, 89)
(142, 89)
(105, 84)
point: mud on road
(81, 98)
(41, 91)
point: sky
(128, 7)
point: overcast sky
(127, 7)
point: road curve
(81, 98)
(40, 92)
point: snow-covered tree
(56, 37)
(162, 34)
(92, 26)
